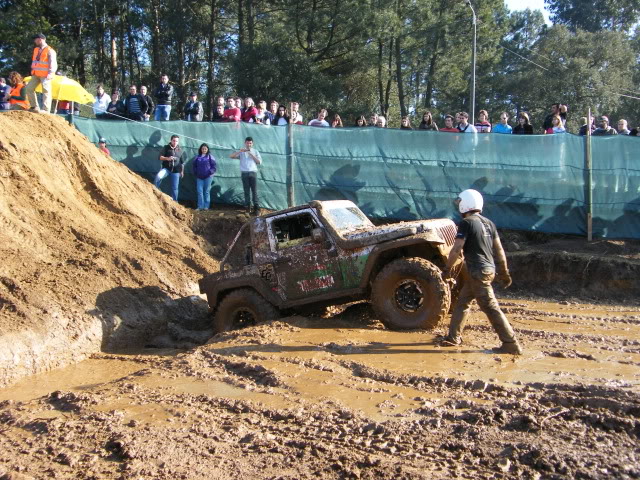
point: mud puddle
(85, 375)
(342, 397)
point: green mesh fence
(530, 182)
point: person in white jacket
(101, 103)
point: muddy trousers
(477, 286)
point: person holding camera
(249, 160)
(172, 158)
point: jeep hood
(385, 233)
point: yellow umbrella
(64, 88)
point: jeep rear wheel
(409, 293)
(242, 308)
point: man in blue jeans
(172, 158)
(249, 160)
(163, 95)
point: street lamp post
(473, 65)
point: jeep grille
(446, 229)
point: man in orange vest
(43, 67)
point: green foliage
(350, 56)
(593, 16)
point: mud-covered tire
(409, 293)
(242, 308)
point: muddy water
(576, 343)
(343, 397)
(81, 376)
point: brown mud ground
(343, 397)
(298, 398)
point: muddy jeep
(329, 253)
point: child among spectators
(483, 125)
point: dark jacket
(115, 108)
(5, 91)
(217, 118)
(525, 129)
(601, 131)
(177, 164)
(150, 105)
(277, 118)
(583, 130)
(193, 111)
(164, 93)
(423, 126)
(141, 102)
(204, 166)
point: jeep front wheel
(409, 293)
(242, 308)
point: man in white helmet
(478, 239)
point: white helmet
(470, 200)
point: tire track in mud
(527, 432)
(157, 423)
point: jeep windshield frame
(346, 219)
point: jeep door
(306, 265)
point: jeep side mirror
(318, 235)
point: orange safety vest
(15, 92)
(40, 62)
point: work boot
(512, 348)
(248, 210)
(450, 341)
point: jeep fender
(216, 288)
(380, 251)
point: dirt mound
(93, 256)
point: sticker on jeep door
(316, 283)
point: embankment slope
(93, 256)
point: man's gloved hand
(504, 279)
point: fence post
(290, 162)
(588, 179)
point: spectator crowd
(141, 107)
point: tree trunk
(123, 69)
(399, 80)
(114, 57)
(432, 68)
(435, 56)
(99, 33)
(82, 74)
(240, 25)
(156, 59)
(403, 108)
(130, 42)
(211, 57)
(251, 24)
(380, 88)
(387, 92)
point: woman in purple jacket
(204, 166)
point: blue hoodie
(204, 166)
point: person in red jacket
(232, 113)
(249, 111)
